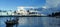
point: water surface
(33, 21)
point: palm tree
(0, 10)
(14, 12)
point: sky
(51, 6)
(13, 4)
(52, 3)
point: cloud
(52, 3)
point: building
(10, 13)
(22, 11)
(3, 13)
(34, 12)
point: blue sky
(13, 4)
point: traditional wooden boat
(11, 22)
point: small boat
(11, 22)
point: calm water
(33, 21)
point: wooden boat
(11, 22)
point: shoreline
(21, 16)
(25, 16)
